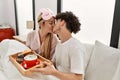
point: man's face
(58, 26)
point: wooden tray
(21, 68)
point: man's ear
(62, 23)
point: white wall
(51, 4)
(7, 14)
(2, 11)
(96, 17)
(86, 7)
(11, 13)
(24, 8)
(24, 13)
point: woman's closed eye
(50, 23)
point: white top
(69, 56)
(33, 42)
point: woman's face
(48, 25)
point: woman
(43, 41)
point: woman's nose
(53, 24)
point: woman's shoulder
(33, 33)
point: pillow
(89, 49)
(103, 63)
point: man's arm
(67, 76)
(50, 70)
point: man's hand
(48, 69)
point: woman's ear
(41, 23)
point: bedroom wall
(25, 14)
(45, 4)
(7, 15)
(2, 11)
(96, 20)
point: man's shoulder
(75, 43)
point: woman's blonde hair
(46, 47)
(39, 19)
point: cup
(30, 60)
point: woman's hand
(48, 69)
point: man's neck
(65, 36)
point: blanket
(8, 70)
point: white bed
(2, 76)
(7, 70)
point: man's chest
(63, 57)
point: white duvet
(7, 70)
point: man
(69, 53)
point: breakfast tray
(21, 69)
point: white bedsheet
(2, 76)
(7, 70)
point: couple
(68, 57)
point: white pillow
(103, 63)
(89, 49)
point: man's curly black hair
(72, 22)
